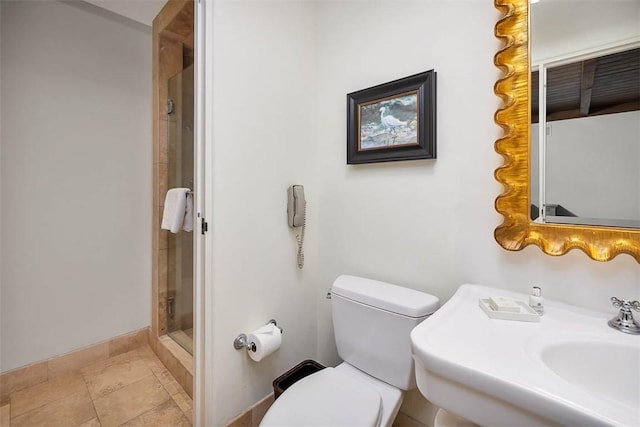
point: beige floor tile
(174, 366)
(165, 377)
(146, 352)
(189, 416)
(22, 378)
(96, 368)
(403, 420)
(152, 361)
(94, 422)
(160, 371)
(183, 400)
(130, 401)
(72, 410)
(5, 415)
(105, 378)
(172, 387)
(185, 403)
(135, 422)
(166, 415)
(35, 396)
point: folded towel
(175, 207)
(188, 214)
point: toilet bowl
(372, 321)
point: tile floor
(131, 389)
(403, 420)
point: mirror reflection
(585, 111)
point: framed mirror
(600, 240)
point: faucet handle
(624, 321)
(624, 304)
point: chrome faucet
(624, 321)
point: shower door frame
(203, 380)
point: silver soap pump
(536, 301)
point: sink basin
(568, 369)
(607, 369)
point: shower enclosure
(180, 171)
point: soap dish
(526, 313)
(504, 304)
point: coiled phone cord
(300, 239)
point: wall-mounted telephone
(296, 215)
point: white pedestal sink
(605, 368)
(568, 369)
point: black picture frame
(375, 134)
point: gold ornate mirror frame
(517, 231)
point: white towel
(175, 208)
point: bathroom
(274, 117)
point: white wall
(427, 225)
(403, 222)
(592, 165)
(76, 178)
(397, 221)
(264, 141)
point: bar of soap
(504, 304)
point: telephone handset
(296, 205)
(296, 215)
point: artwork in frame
(393, 121)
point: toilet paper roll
(267, 340)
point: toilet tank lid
(396, 299)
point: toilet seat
(326, 398)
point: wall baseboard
(35, 373)
(253, 415)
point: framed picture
(393, 121)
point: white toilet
(372, 321)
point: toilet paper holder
(241, 340)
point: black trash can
(298, 372)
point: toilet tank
(372, 321)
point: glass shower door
(180, 172)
